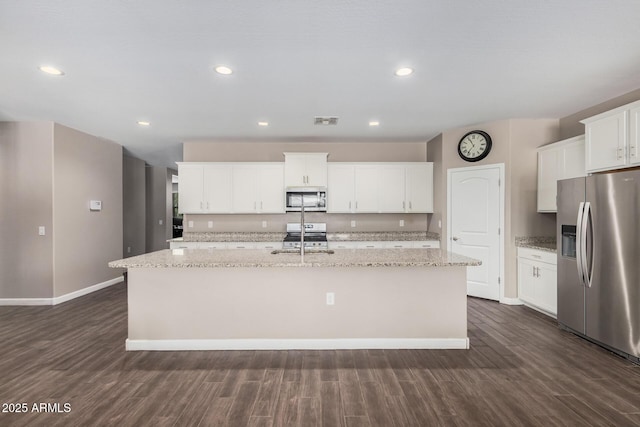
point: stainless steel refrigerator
(598, 229)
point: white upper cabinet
(340, 188)
(419, 188)
(204, 188)
(611, 139)
(380, 187)
(391, 188)
(258, 188)
(560, 160)
(305, 169)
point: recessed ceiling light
(374, 123)
(263, 123)
(143, 123)
(401, 72)
(51, 70)
(222, 69)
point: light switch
(41, 230)
(353, 223)
(210, 224)
(190, 224)
(95, 205)
(264, 224)
(160, 221)
(402, 223)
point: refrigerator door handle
(587, 256)
(579, 239)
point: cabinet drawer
(538, 255)
(427, 244)
(342, 245)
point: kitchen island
(200, 299)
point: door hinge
(499, 182)
(498, 231)
(498, 280)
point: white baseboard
(510, 301)
(298, 344)
(61, 298)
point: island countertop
(206, 258)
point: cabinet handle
(201, 205)
(260, 204)
(632, 151)
(410, 207)
(356, 204)
(254, 206)
(403, 205)
(620, 153)
(533, 271)
(349, 204)
(207, 205)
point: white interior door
(474, 225)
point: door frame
(501, 188)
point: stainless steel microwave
(313, 198)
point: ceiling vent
(326, 121)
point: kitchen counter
(205, 258)
(359, 236)
(229, 299)
(547, 244)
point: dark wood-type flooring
(521, 370)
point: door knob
(455, 239)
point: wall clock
(474, 146)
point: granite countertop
(547, 244)
(345, 236)
(205, 258)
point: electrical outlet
(439, 223)
(402, 223)
(353, 223)
(331, 298)
(264, 224)
(210, 224)
(128, 249)
(160, 221)
(41, 230)
(190, 224)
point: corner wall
(158, 208)
(133, 206)
(85, 168)
(26, 202)
(514, 144)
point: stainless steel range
(315, 236)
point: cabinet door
(634, 136)
(548, 161)
(391, 191)
(526, 280)
(606, 142)
(295, 170)
(244, 198)
(419, 188)
(572, 161)
(217, 188)
(316, 169)
(270, 188)
(190, 188)
(366, 188)
(546, 292)
(340, 188)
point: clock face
(474, 146)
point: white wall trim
(511, 301)
(298, 344)
(61, 298)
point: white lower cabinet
(406, 244)
(537, 280)
(225, 245)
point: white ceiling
(474, 61)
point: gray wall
(570, 125)
(85, 168)
(133, 206)
(158, 208)
(26, 202)
(49, 175)
(209, 151)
